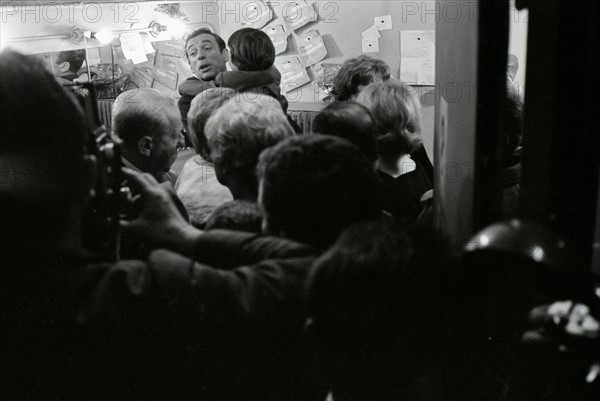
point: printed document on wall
(417, 57)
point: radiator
(105, 111)
(304, 119)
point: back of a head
(202, 107)
(75, 58)
(355, 286)
(239, 215)
(240, 130)
(42, 143)
(397, 113)
(251, 49)
(360, 71)
(315, 186)
(356, 297)
(351, 121)
(145, 111)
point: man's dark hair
(351, 121)
(251, 49)
(356, 285)
(202, 31)
(75, 58)
(315, 186)
(357, 298)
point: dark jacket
(188, 89)
(264, 82)
(230, 332)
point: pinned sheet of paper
(409, 70)
(147, 44)
(370, 45)
(278, 36)
(293, 73)
(310, 44)
(417, 55)
(133, 47)
(298, 13)
(371, 33)
(256, 15)
(93, 55)
(384, 22)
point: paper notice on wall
(312, 47)
(296, 14)
(370, 45)
(171, 48)
(93, 55)
(409, 70)
(371, 33)
(278, 36)
(417, 62)
(256, 15)
(133, 47)
(293, 73)
(384, 22)
(147, 44)
(165, 76)
(142, 77)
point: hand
(159, 221)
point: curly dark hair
(358, 71)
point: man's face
(205, 58)
(164, 151)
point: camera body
(110, 194)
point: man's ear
(225, 55)
(64, 66)
(145, 145)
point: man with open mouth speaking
(206, 53)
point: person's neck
(243, 191)
(396, 166)
(243, 194)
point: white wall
(42, 19)
(518, 41)
(341, 24)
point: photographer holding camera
(167, 327)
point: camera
(110, 198)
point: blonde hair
(397, 113)
(241, 129)
(202, 107)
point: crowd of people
(275, 265)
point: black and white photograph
(300, 200)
